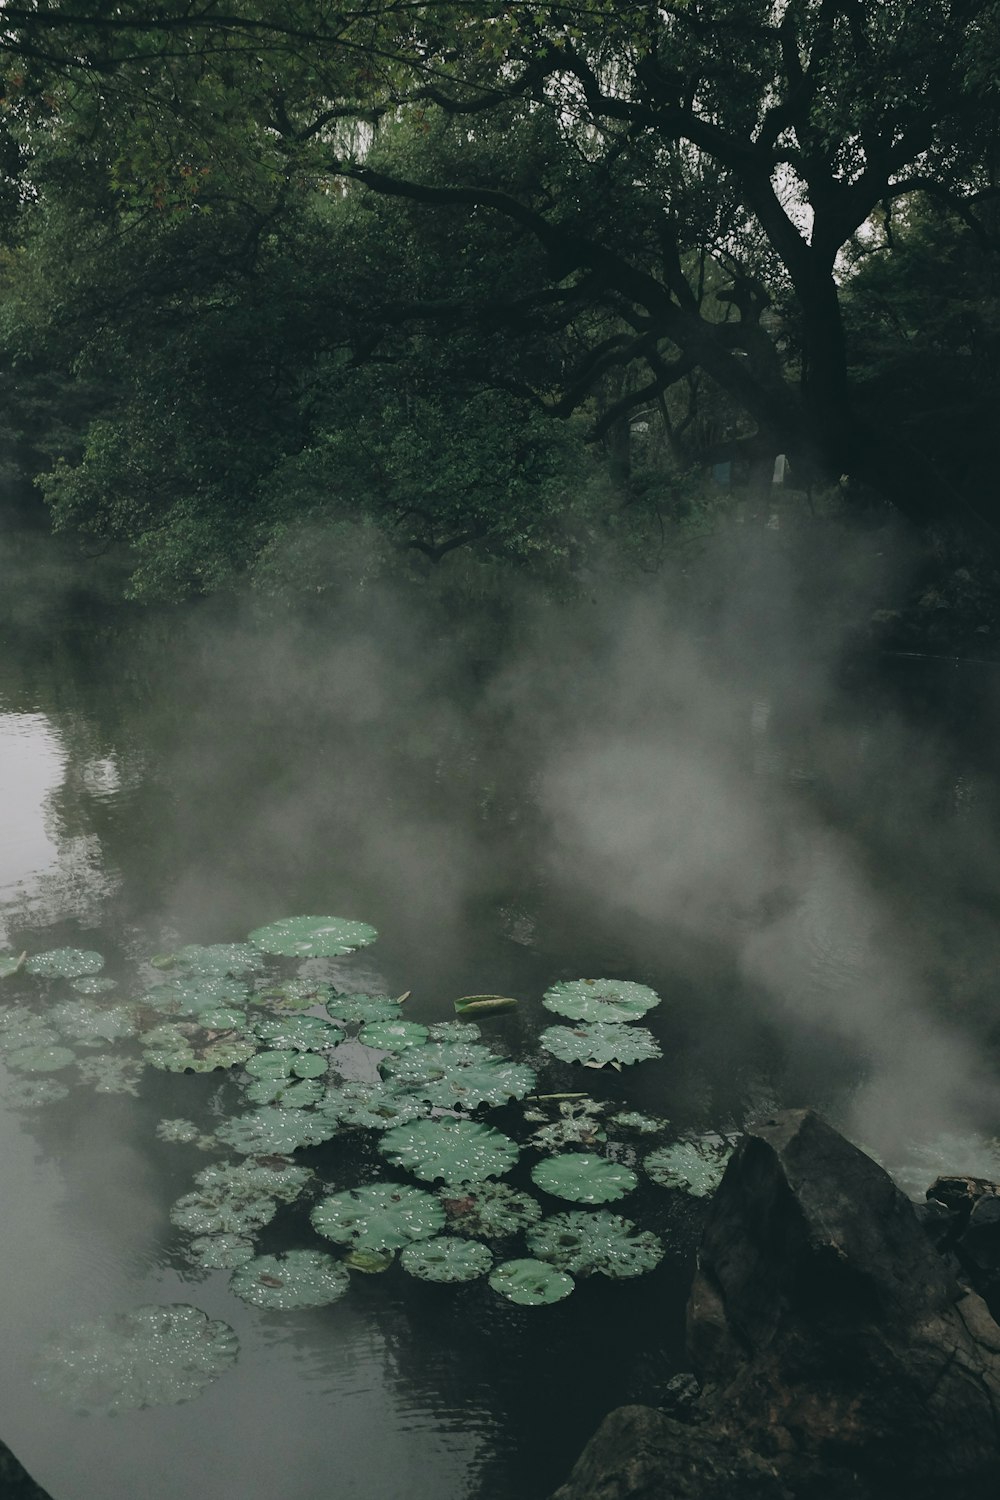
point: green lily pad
(494, 1082)
(633, 1119)
(362, 1008)
(64, 963)
(490, 1209)
(286, 1063)
(93, 1024)
(446, 1258)
(151, 1356)
(385, 1216)
(286, 1093)
(107, 1074)
(293, 994)
(578, 1125)
(600, 1044)
(484, 1005)
(32, 1093)
(40, 1059)
(369, 1262)
(451, 1151)
(371, 1106)
(300, 1033)
(581, 1243)
(293, 1278)
(204, 1212)
(695, 1167)
(189, 995)
(600, 999)
(583, 1178)
(454, 1031)
(220, 1252)
(284, 1180)
(313, 937)
(185, 1047)
(273, 1131)
(216, 958)
(20, 1027)
(393, 1036)
(530, 1283)
(91, 984)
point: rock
(839, 1355)
(15, 1481)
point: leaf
(292, 1278)
(32, 1093)
(363, 1008)
(369, 1262)
(582, 1243)
(530, 1283)
(371, 1106)
(583, 1178)
(220, 1252)
(298, 1033)
(181, 1047)
(694, 1167)
(600, 999)
(600, 1043)
(206, 1212)
(488, 1080)
(90, 1023)
(151, 1356)
(217, 958)
(273, 1131)
(191, 994)
(490, 1209)
(483, 1005)
(178, 1132)
(40, 1059)
(454, 1031)
(393, 1036)
(313, 937)
(90, 984)
(11, 963)
(385, 1216)
(632, 1119)
(281, 1179)
(64, 963)
(108, 1074)
(446, 1259)
(452, 1151)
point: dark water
(800, 854)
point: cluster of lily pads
(309, 1062)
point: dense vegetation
(291, 284)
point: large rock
(15, 1481)
(835, 1347)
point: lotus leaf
(384, 1216)
(490, 1209)
(31, 1093)
(447, 1258)
(190, 995)
(183, 1047)
(583, 1178)
(216, 958)
(451, 1151)
(294, 994)
(20, 1027)
(483, 1005)
(582, 1242)
(226, 1018)
(220, 1252)
(107, 1074)
(293, 1278)
(151, 1356)
(530, 1283)
(205, 1212)
(40, 1059)
(454, 1031)
(273, 1131)
(300, 1033)
(393, 1036)
(280, 1179)
(632, 1119)
(369, 1262)
(90, 984)
(695, 1167)
(577, 1125)
(313, 937)
(489, 1083)
(64, 963)
(11, 963)
(600, 1043)
(178, 1132)
(362, 1008)
(371, 1106)
(285, 1063)
(600, 999)
(435, 1060)
(287, 1093)
(93, 1024)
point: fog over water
(699, 781)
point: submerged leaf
(452, 1151)
(216, 958)
(108, 1074)
(313, 937)
(178, 1132)
(385, 1216)
(582, 1242)
(292, 1278)
(530, 1283)
(490, 1209)
(600, 1043)
(151, 1356)
(583, 1178)
(32, 1093)
(92, 1024)
(446, 1259)
(40, 1059)
(273, 1131)
(600, 999)
(89, 984)
(64, 963)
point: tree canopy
(305, 259)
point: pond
(795, 847)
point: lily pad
(369, 1262)
(490, 1209)
(371, 1106)
(64, 963)
(32, 1093)
(299, 1033)
(530, 1283)
(93, 1024)
(178, 1132)
(600, 1043)
(578, 1125)
(581, 1243)
(393, 1036)
(273, 1131)
(220, 1252)
(633, 1119)
(293, 1278)
(185, 1047)
(454, 1031)
(446, 1258)
(205, 1212)
(189, 995)
(293, 994)
(93, 984)
(151, 1356)
(362, 1008)
(494, 1082)
(20, 1027)
(695, 1167)
(40, 1059)
(600, 999)
(216, 958)
(286, 1063)
(281, 1179)
(108, 1074)
(435, 1060)
(313, 937)
(385, 1216)
(583, 1178)
(484, 1005)
(451, 1151)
